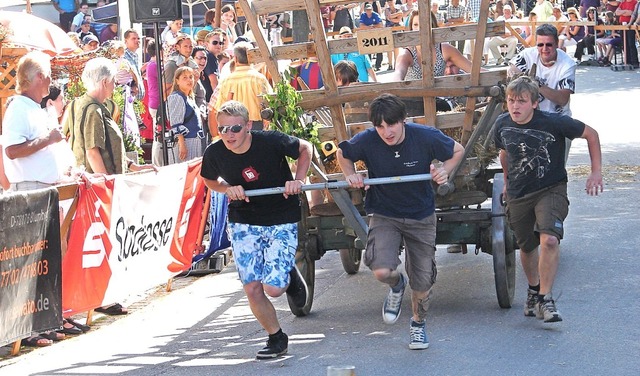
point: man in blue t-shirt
(362, 62)
(371, 20)
(67, 9)
(532, 147)
(401, 213)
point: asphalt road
(204, 326)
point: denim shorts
(264, 253)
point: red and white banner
(131, 233)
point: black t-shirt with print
(536, 150)
(264, 165)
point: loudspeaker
(155, 10)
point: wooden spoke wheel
(503, 247)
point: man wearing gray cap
(90, 43)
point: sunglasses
(540, 45)
(215, 42)
(233, 128)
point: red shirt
(627, 5)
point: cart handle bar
(340, 184)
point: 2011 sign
(375, 40)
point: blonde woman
(184, 117)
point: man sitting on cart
(263, 230)
(404, 213)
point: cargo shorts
(384, 241)
(543, 211)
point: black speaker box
(155, 10)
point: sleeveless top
(414, 72)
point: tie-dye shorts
(264, 253)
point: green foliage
(287, 115)
(74, 90)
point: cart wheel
(350, 258)
(307, 267)
(503, 247)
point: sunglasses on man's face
(233, 128)
(540, 45)
(215, 42)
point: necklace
(399, 142)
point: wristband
(129, 164)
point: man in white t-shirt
(558, 16)
(27, 156)
(555, 72)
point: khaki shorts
(543, 211)
(387, 235)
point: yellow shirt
(245, 85)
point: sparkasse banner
(131, 233)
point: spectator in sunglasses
(555, 73)
(215, 46)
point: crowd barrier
(129, 233)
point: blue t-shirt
(413, 156)
(369, 21)
(536, 150)
(362, 63)
(68, 6)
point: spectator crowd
(204, 71)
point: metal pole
(340, 184)
(161, 117)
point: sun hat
(345, 30)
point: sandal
(68, 328)
(84, 328)
(36, 341)
(52, 335)
(113, 310)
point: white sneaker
(393, 304)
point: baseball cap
(345, 30)
(89, 38)
(507, 7)
(368, 6)
(86, 22)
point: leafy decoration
(287, 115)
